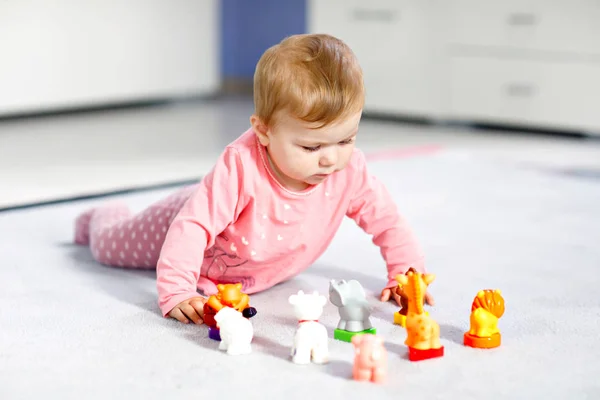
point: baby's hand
(396, 295)
(190, 309)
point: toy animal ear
(220, 287)
(293, 299)
(402, 279)
(428, 278)
(238, 286)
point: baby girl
(273, 201)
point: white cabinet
(392, 40)
(561, 95)
(530, 63)
(72, 53)
(568, 26)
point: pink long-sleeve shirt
(241, 225)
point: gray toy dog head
(346, 293)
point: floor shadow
(452, 333)
(271, 347)
(396, 350)
(339, 369)
(198, 335)
(134, 286)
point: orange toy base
(482, 342)
(418, 355)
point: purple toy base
(214, 334)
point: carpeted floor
(72, 329)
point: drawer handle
(521, 19)
(520, 90)
(363, 14)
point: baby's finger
(198, 305)
(397, 298)
(191, 313)
(385, 294)
(429, 299)
(178, 315)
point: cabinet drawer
(553, 95)
(549, 25)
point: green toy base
(346, 336)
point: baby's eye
(311, 148)
(347, 141)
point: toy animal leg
(362, 374)
(320, 353)
(367, 324)
(224, 344)
(435, 337)
(379, 375)
(239, 348)
(342, 324)
(301, 355)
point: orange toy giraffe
(423, 333)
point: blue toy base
(214, 334)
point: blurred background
(107, 96)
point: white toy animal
(310, 340)
(235, 330)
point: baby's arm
(376, 213)
(210, 209)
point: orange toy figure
(370, 358)
(423, 333)
(487, 308)
(229, 295)
(400, 315)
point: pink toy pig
(370, 358)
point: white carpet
(72, 329)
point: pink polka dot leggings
(118, 238)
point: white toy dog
(235, 330)
(310, 340)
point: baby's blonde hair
(315, 77)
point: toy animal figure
(351, 300)
(310, 340)
(423, 333)
(229, 295)
(236, 331)
(370, 359)
(487, 308)
(400, 315)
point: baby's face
(302, 157)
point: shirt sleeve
(208, 211)
(374, 210)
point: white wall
(65, 53)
